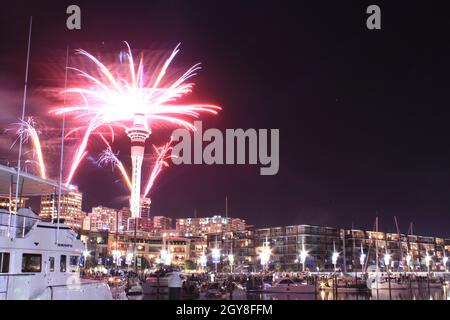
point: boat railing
(16, 225)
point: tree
(189, 265)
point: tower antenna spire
(138, 133)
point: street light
(116, 256)
(408, 261)
(166, 257)
(231, 261)
(387, 259)
(129, 259)
(86, 254)
(427, 261)
(362, 258)
(303, 255)
(334, 256)
(334, 259)
(215, 256)
(203, 260)
(264, 255)
(444, 261)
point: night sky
(363, 115)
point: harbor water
(414, 294)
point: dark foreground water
(414, 294)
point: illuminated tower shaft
(137, 134)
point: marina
(47, 260)
(206, 152)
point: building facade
(162, 223)
(209, 225)
(356, 249)
(7, 203)
(230, 244)
(101, 219)
(71, 211)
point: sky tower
(138, 133)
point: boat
(344, 284)
(156, 283)
(383, 283)
(40, 260)
(36, 266)
(287, 285)
(135, 290)
(215, 290)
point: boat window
(73, 262)
(31, 262)
(62, 263)
(4, 262)
(51, 262)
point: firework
(115, 100)
(160, 163)
(132, 100)
(28, 131)
(109, 157)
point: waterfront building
(162, 223)
(320, 242)
(287, 242)
(239, 244)
(149, 247)
(7, 203)
(70, 213)
(102, 219)
(145, 222)
(209, 225)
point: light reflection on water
(414, 294)
(433, 294)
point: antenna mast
(24, 102)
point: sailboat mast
(343, 248)
(399, 242)
(376, 243)
(24, 102)
(61, 160)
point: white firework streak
(109, 157)
(28, 132)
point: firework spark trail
(81, 151)
(29, 132)
(160, 163)
(108, 156)
(114, 99)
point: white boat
(40, 260)
(344, 284)
(35, 266)
(383, 283)
(287, 285)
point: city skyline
(350, 150)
